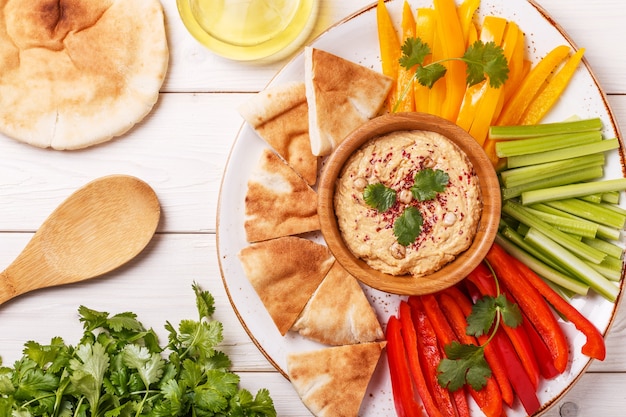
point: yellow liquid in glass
(249, 29)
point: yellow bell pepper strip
(389, 45)
(493, 29)
(492, 100)
(517, 69)
(551, 93)
(425, 23)
(452, 40)
(404, 86)
(536, 78)
(437, 94)
(466, 11)
(472, 35)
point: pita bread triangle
(341, 95)
(278, 201)
(285, 273)
(333, 381)
(279, 115)
(338, 313)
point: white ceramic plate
(356, 39)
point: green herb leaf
(379, 196)
(408, 226)
(414, 51)
(511, 313)
(486, 59)
(429, 74)
(481, 318)
(464, 364)
(428, 183)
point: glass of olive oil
(247, 30)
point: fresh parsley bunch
(119, 369)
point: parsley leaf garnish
(414, 51)
(465, 363)
(483, 60)
(379, 196)
(428, 183)
(119, 369)
(486, 58)
(408, 226)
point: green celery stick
(545, 143)
(572, 190)
(575, 176)
(568, 225)
(560, 154)
(517, 176)
(611, 198)
(612, 250)
(587, 210)
(543, 129)
(574, 264)
(520, 213)
(603, 232)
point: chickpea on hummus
(448, 218)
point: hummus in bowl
(409, 203)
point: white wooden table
(181, 149)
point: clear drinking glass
(249, 29)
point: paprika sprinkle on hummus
(408, 202)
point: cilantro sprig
(428, 183)
(379, 196)
(408, 226)
(466, 363)
(119, 369)
(482, 59)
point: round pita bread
(79, 72)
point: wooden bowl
(466, 261)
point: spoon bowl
(98, 228)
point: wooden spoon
(98, 228)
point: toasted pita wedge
(332, 381)
(285, 273)
(341, 96)
(278, 201)
(77, 73)
(280, 116)
(338, 313)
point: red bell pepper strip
(401, 384)
(517, 375)
(532, 303)
(491, 355)
(594, 346)
(482, 277)
(489, 399)
(410, 344)
(445, 336)
(543, 355)
(430, 356)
